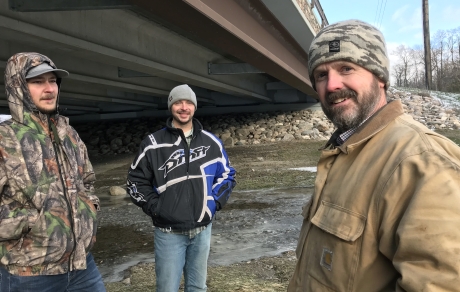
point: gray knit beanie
(353, 41)
(181, 92)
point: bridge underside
(125, 56)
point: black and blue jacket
(181, 187)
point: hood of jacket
(17, 92)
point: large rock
(228, 142)
(117, 191)
(242, 132)
(322, 127)
(288, 137)
(93, 140)
(225, 136)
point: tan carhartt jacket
(385, 215)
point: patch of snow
(447, 99)
(310, 169)
(4, 118)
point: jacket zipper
(66, 197)
(190, 194)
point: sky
(399, 20)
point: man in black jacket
(180, 178)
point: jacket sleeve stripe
(223, 160)
(152, 147)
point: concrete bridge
(125, 56)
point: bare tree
(409, 69)
(457, 40)
(435, 66)
(418, 61)
(439, 44)
(404, 58)
(450, 42)
(398, 71)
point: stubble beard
(47, 110)
(177, 121)
(344, 118)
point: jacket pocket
(334, 246)
(174, 208)
(156, 208)
(343, 223)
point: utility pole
(427, 45)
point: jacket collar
(197, 127)
(372, 126)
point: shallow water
(253, 224)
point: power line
(377, 11)
(383, 12)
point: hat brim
(45, 68)
(58, 72)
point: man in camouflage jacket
(47, 207)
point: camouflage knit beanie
(353, 41)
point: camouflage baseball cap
(353, 41)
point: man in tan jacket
(385, 215)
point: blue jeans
(175, 253)
(88, 280)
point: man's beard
(177, 121)
(364, 107)
(47, 111)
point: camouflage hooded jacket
(47, 207)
